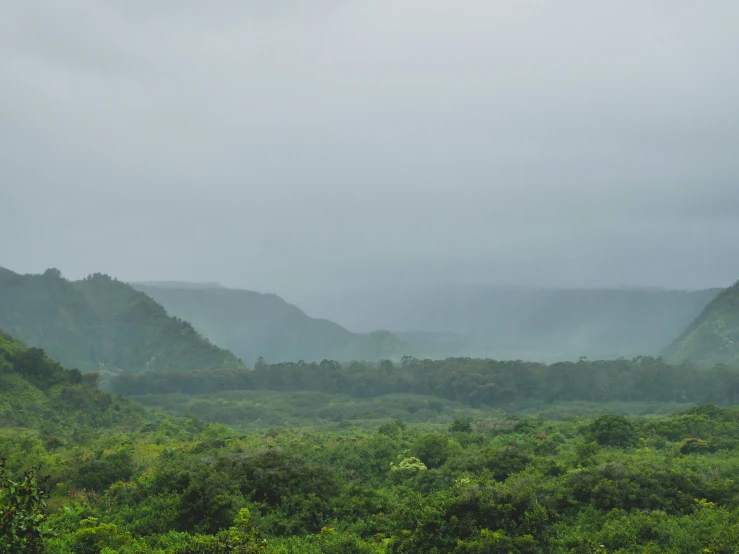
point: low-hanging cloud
(296, 146)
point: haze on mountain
(99, 323)
(492, 322)
(713, 336)
(254, 325)
(530, 323)
(305, 148)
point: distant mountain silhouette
(506, 322)
(254, 325)
(178, 285)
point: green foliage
(458, 517)
(693, 445)
(497, 542)
(93, 537)
(60, 405)
(409, 465)
(263, 410)
(461, 425)
(209, 489)
(392, 428)
(708, 529)
(613, 430)
(22, 512)
(293, 494)
(504, 462)
(480, 384)
(101, 472)
(149, 483)
(432, 449)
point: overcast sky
(295, 146)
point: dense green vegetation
(713, 337)
(255, 410)
(462, 455)
(475, 382)
(431, 474)
(43, 402)
(101, 323)
(254, 325)
(22, 513)
(497, 485)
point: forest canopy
(475, 382)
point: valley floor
(333, 476)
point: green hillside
(254, 325)
(100, 322)
(39, 395)
(713, 336)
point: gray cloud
(296, 146)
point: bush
(22, 512)
(506, 461)
(93, 537)
(461, 425)
(432, 449)
(613, 430)
(693, 446)
(392, 428)
(98, 474)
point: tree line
(473, 381)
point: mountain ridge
(713, 336)
(101, 323)
(524, 322)
(254, 325)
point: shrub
(432, 449)
(613, 430)
(693, 446)
(22, 512)
(461, 425)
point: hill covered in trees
(713, 336)
(254, 325)
(53, 403)
(519, 322)
(100, 322)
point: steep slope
(39, 394)
(100, 322)
(254, 325)
(519, 322)
(713, 336)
